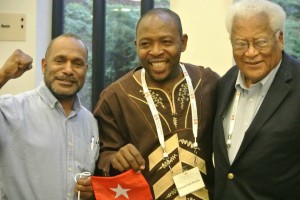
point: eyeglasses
(260, 44)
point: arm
(15, 66)
(117, 154)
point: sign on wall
(12, 26)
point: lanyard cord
(232, 119)
(81, 175)
(155, 113)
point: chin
(160, 79)
(65, 93)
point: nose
(68, 69)
(156, 49)
(251, 51)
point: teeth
(158, 64)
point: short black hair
(169, 12)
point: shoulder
(117, 92)
(123, 83)
(86, 112)
(289, 58)
(291, 61)
(86, 116)
(19, 98)
(231, 73)
(14, 106)
(201, 72)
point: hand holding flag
(128, 157)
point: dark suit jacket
(267, 165)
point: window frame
(98, 47)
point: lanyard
(155, 113)
(233, 117)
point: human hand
(128, 157)
(84, 186)
(16, 65)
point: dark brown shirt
(125, 117)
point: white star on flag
(120, 191)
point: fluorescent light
(125, 9)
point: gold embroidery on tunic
(183, 95)
(168, 162)
(171, 194)
(188, 158)
(166, 180)
(156, 156)
(157, 99)
(175, 121)
(186, 142)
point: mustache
(66, 78)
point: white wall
(204, 23)
(38, 34)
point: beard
(63, 92)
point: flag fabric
(126, 186)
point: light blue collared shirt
(41, 149)
(249, 103)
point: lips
(253, 62)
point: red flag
(126, 186)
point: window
(162, 3)
(292, 26)
(78, 19)
(120, 54)
(108, 29)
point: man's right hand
(15, 66)
(128, 157)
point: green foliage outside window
(292, 27)
(78, 20)
(120, 55)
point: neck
(67, 105)
(168, 83)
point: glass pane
(120, 53)
(78, 19)
(162, 3)
(292, 26)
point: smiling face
(253, 63)
(159, 46)
(65, 67)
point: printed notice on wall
(12, 27)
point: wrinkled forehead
(68, 45)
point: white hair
(249, 8)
